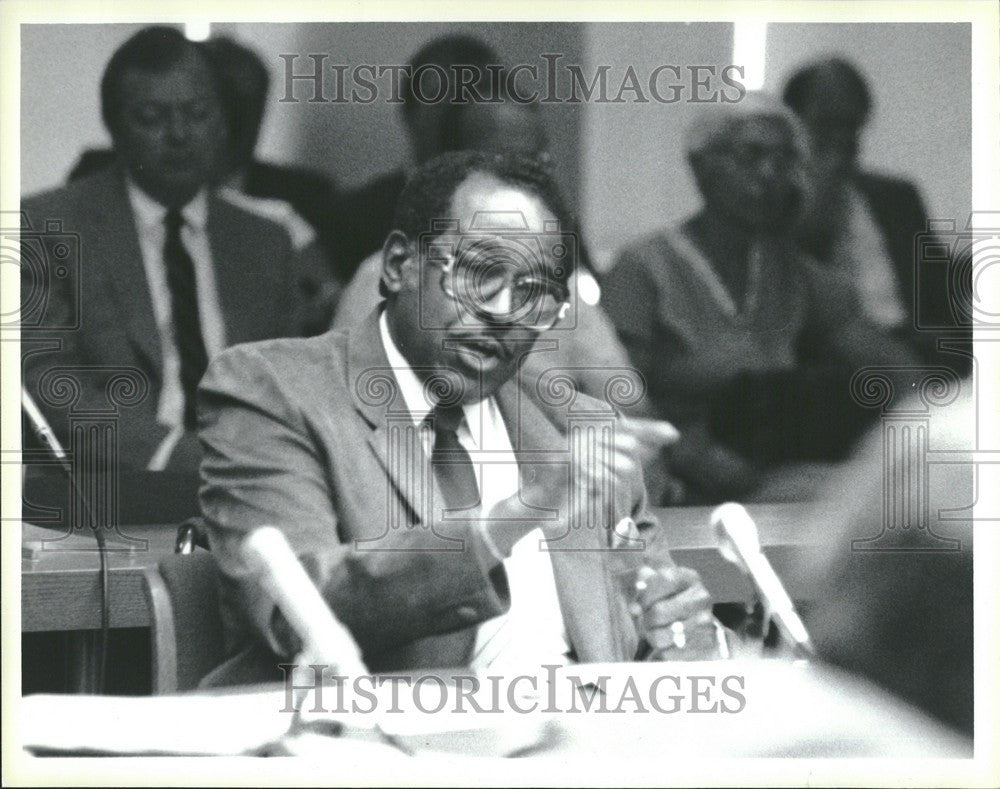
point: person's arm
(263, 466)
(836, 324)
(706, 468)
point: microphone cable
(44, 433)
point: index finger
(654, 430)
(655, 585)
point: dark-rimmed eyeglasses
(496, 283)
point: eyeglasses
(485, 271)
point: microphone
(42, 429)
(324, 637)
(44, 432)
(739, 543)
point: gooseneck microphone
(324, 638)
(40, 425)
(739, 543)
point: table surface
(777, 718)
(60, 584)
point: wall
(635, 176)
(61, 67)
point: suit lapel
(591, 605)
(394, 438)
(116, 251)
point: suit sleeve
(262, 467)
(837, 323)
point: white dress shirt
(533, 632)
(149, 224)
(860, 250)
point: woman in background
(729, 321)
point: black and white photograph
(536, 394)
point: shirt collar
(420, 401)
(150, 213)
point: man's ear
(396, 253)
(700, 165)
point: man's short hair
(153, 49)
(808, 85)
(718, 123)
(446, 52)
(428, 193)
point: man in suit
(244, 85)
(169, 274)
(866, 224)
(422, 479)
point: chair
(183, 597)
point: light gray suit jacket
(307, 435)
(93, 310)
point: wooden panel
(60, 588)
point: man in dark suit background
(867, 223)
(245, 84)
(406, 460)
(168, 273)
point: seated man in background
(363, 216)
(298, 198)
(244, 86)
(168, 273)
(866, 224)
(728, 294)
(355, 444)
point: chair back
(183, 596)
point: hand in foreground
(648, 441)
(644, 438)
(675, 615)
(601, 465)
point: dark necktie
(184, 309)
(452, 465)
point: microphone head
(736, 533)
(264, 546)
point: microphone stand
(738, 544)
(41, 428)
